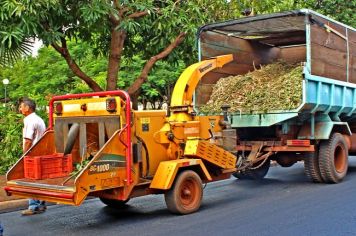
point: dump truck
(320, 131)
(96, 145)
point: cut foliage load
(276, 86)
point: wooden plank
(352, 69)
(352, 76)
(203, 93)
(333, 25)
(269, 25)
(209, 50)
(231, 42)
(352, 48)
(293, 54)
(324, 69)
(329, 55)
(285, 41)
(212, 77)
(330, 40)
(241, 57)
(352, 36)
(226, 41)
(246, 52)
(353, 62)
(235, 69)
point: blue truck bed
(326, 47)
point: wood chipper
(96, 145)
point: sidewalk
(10, 203)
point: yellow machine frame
(170, 144)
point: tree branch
(135, 87)
(123, 10)
(113, 20)
(138, 14)
(117, 4)
(74, 66)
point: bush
(11, 138)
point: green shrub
(11, 138)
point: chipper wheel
(254, 173)
(118, 204)
(186, 194)
(311, 167)
(333, 159)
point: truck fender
(342, 129)
(323, 130)
(167, 171)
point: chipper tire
(333, 159)
(254, 174)
(118, 204)
(186, 194)
(311, 167)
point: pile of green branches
(276, 86)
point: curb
(13, 205)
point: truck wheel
(333, 159)
(311, 167)
(119, 204)
(186, 194)
(254, 174)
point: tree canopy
(151, 29)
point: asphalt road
(284, 203)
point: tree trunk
(135, 87)
(116, 46)
(134, 100)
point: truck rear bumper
(11, 190)
(55, 194)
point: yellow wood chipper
(119, 153)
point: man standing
(34, 127)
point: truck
(119, 153)
(321, 130)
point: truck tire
(118, 204)
(311, 167)
(186, 194)
(333, 159)
(254, 174)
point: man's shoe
(42, 208)
(30, 212)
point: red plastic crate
(48, 166)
